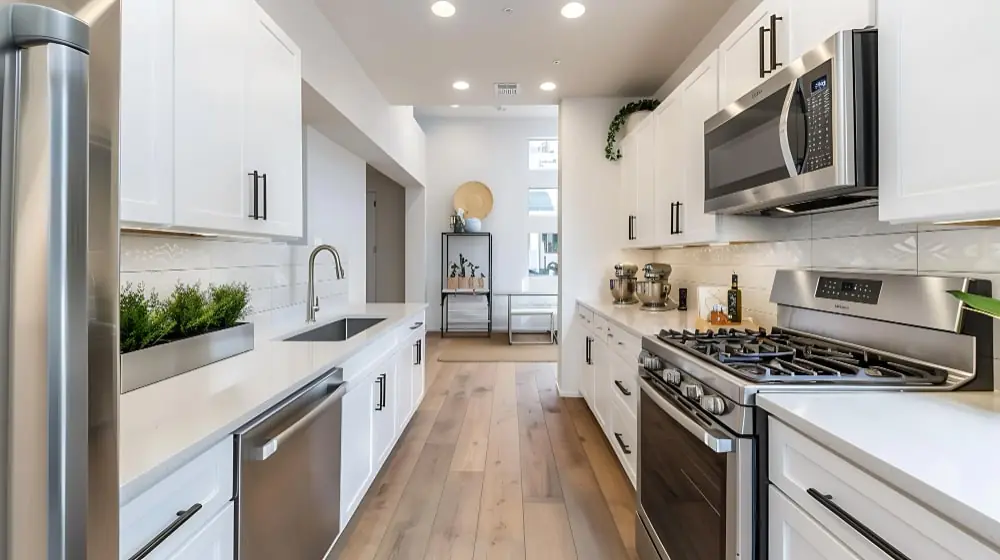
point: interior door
(273, 121)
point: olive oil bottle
(734, 300)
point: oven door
(695, 480)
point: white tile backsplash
(277, 273)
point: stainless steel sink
(339, 330)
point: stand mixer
(623, 284)
(653, 291)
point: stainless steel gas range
(702, 479)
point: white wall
(350, 110)
(589, 186)
(494, 151)
(276, 272)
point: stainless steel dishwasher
(288, 475)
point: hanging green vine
(611, 151)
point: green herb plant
(146, 320)
(611, 151)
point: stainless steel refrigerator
(59, 280)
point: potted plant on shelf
(463, 278)
(164, 338)
(453, 279)
(628, 117)
(473, 279)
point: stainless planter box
(152, 365)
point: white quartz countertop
(641, 323)
(166, 424)
(938, 448)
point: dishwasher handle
(270, 447)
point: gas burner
(787, 357)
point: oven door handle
(713, 439)
(785, 145)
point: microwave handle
(786, 148)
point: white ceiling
(487, 112)
(618, 48)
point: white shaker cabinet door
(754, 51)
(794, 535)
(937, 124)
(211, 190)
(671, 151)
(628, 194)
(644, 225)
(356, 449)
(406, 360)
(383, 418)
(701, 101)
(146, 124)
(810, 22)
(273, 124)
(217, 541)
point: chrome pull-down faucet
(312, 302)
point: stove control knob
(672, 376)
(650, 361)
(692, 391)
(713, 404)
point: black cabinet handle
(264, 180)
(826, 501)
(774, 41)
(256, 177)
(672, 217)
(621, 387)
(631, 228)
(182, 518)
(420, 352)
(384, 381)
(589, 361)
(621, 443)
(381, 391)
(677, 209)
(763, 71)
(416, 326)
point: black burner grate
(784, 357)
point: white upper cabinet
(700, 94)
(273, 124)
(211, 192)
(937, 151)
(751, 53)
(671, 153)
(810, 22)
(146, 128)
(644, 228)
(211, 92)
(629, 191)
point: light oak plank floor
(495, 465)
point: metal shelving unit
(480, 328)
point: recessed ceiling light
(547, 86)
(443, 8)
(573, 10)
(454, 106)
(460, 85)
(557, 62)
(508, 11)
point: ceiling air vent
(506, 89)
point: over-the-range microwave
(805, 140)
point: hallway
(496, 465)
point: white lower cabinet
(355, 449)
(406, 360)
(609, 384)
(215, 541)
(384, 418)
(793, 535)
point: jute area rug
(495, 349)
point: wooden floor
(495, 465)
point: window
(543, 254)
(543, 201)
(543, 155)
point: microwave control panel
(816, 92)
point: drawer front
(624, 343)
(623, 438)
(625, 383)
(797, 465)
(793, 535)
(216, 541)
(586, 316)
(411, 325)
(600, 325)
(206, 480)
